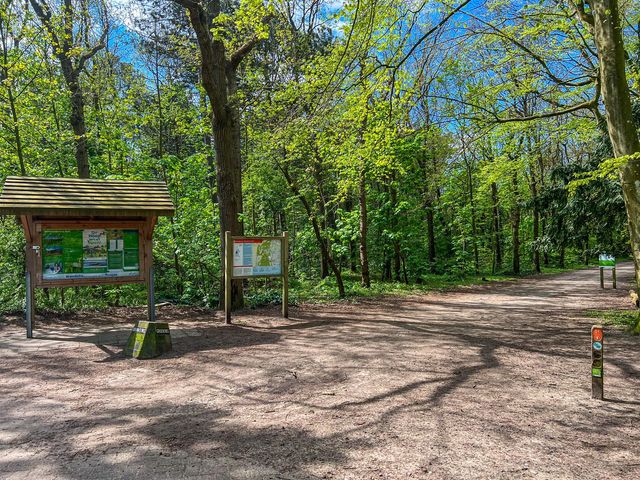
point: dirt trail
(484, 382)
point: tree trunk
(431, 237)
(393, 192)
(365, 279)
(515, 226)
(497, 242)
(605, 20)
(226, 134)
(324, 246)
(219, 79)
(476, 261)
(79, 128)
(71, 48)
(16, 131)
(536, 224)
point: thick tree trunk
(226, 136)
(79, 128)
(605, 21)
(219, 79)
(365, 279)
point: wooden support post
(228, 273)
(613, 272)
(148, 267)
(29, 304)
(151, 297)
(30, 272)
(601, 277)
(285, 274)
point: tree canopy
(399, 142)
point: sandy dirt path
(483, 382)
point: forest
(403, 144)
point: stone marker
(148, 340)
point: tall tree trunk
(474, 232)
(603, 17)
(536, 224)
(393, 193)
(226, 134)
(365, 279)
(324, 246)
(497, 241)
(79, 127)
(219, 79)
(16, 131)
(515, 226)
(431, 237)
(71, 49)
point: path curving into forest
(489, 381)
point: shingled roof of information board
(84, 197)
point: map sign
(607, 261)
(90, 253)
(257, 257)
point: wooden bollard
(597, 362)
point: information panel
(257, 257)
(607, 261)
(90, 253)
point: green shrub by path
(628, 319)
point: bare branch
(579, 7)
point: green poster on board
(62, 252)
(131, 250)
(94, 244)
(115, 253)
(90, 253)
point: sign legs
(285, 274)
(151, 297)
(614, 277)
(601, 277)
(228, 272)
(29, 305)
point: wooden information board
(82, 232)
(255, 257)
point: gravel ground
(481, 382)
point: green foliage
(629, 320)
(339, 114)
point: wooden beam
(285, 274)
